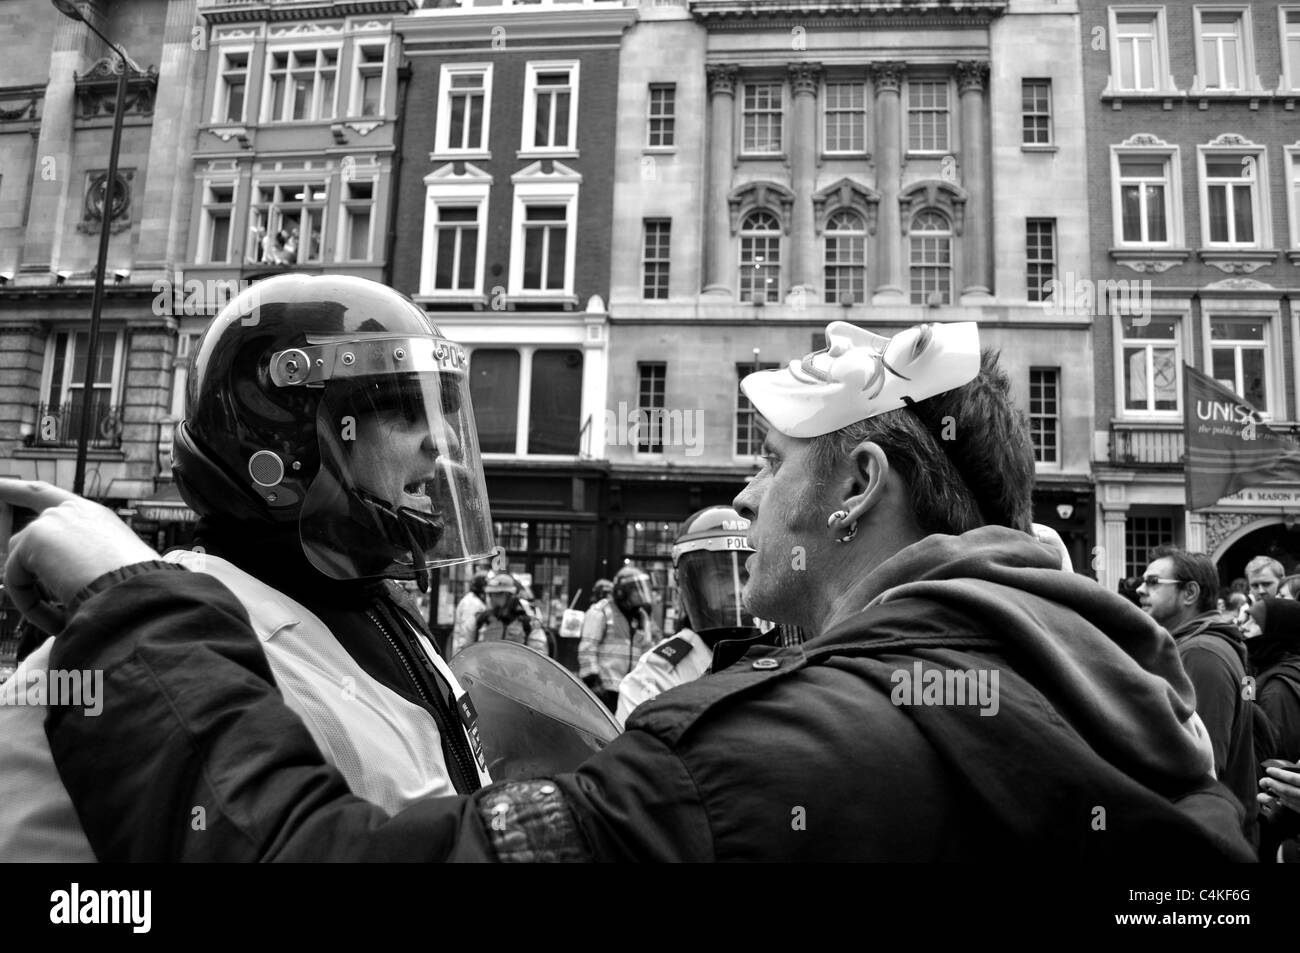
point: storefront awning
(165, 506)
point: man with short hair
(1263, 574)
(1179, 590)
(959, 697)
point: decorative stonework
(1239, 284)
(972, 76)
(93, 207)
(761, 194)
(97, 89)
(21, 103)
(846, 194)
(1143, 139)
(364, 128)
(1219, 526)
(933, 193)
(1147, 265)
(1231, 139)
(805, 77)
(722, 80)
(888, 76)
(1236, 267)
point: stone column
(52, 186)
(719, 276)
(972, 78)
(888, 77)
(1112, 541)
(169, 185)
(804, 79)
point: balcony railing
(60, 425)
(1146, 446)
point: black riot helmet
(709, 558)
(331, 401)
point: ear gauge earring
(840, 516)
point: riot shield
(535, 719)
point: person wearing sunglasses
(1179, 590)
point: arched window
(760, 257)
(931, 257)
(846, 258)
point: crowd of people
(951, 692)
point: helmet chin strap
(405, 528)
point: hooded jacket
(1214, 656)
(1077, 745)
(1274, 657)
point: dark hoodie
(1214, 656)
(798, 753)
(1275, 661)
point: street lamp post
(73, 12)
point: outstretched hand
(70, 544)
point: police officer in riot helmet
(329, 448)
(616, 631)
(709, 558)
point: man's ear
(864, 483)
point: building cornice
(739, 14)
(507, 27)
(248, 11)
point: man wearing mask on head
(708, 557)
(615, 633)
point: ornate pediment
(947, 197)
(547, 170)
(762, 193)
(97, 89)
(1143, 139)
(846, 193)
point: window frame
(1270, 345)
(221, 95)
(826, 113)
(442, 124)
(949, 147)
(1180, 320)
(1161, 78)
(1246, 58)
(316, 113)
(1290, 72)
(743, 368)
(459, 195)
(280, 180)
(360, 69)
(204, 251)
(343, 245)
(643, 439)
(861, 266)
(1292, 154)
(529, 125)
(1030, 263)
(670, 118)
(117, 379)
(1258, 191)
(538, 193)
(1048, 113)
(1172, 159)
(1054, 417)
(741, 264)
(647, 263)
(950, 235)
(782, 111)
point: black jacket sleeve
(195, 756)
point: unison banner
(1228, 445)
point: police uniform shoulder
(673, 650)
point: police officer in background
(709, 558)
(506, 617)
(615, 633)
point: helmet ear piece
(206, 485)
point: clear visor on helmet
(709, 583)
(634, 592)
(400, 488)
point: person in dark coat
(959, 698)
(1272, 633)
(1179, 590)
